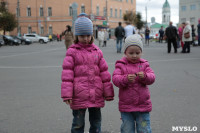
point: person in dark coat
(198, 26)
(172, 35)
(161, 34)
(119, 34)
(193, 35)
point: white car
(36, 38)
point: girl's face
(133, 53)
(84, 39)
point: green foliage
(8, 20)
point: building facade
(189, 10)
(51, 16)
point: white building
(166, 13)
(189, 10)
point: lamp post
(146, 11)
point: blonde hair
(76, 39)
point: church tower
(166, 13)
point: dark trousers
(79, 120)
(186, 47)
(174, 45)
(160, 39)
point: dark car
(23, 40)
(9, 40)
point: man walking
(119, 34)
(171, 33)
(198, 26)
(161, 34)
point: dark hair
(69, 27)
(120, 23)
(76, 40)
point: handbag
(187, 35)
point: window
(120, 13)
(50, 30)
(17, 12)
(104, 11)
(97, 10)
(183, 20)
(132, 1)
(192, 7)
(41, 30)
(28, 11)
(116, 13)
(29, 29)
(192, 20)
(49, 11)
(111, 12)
(41, 12)
(127, 1)
(183, 8)
(83, 9)
(70, 11)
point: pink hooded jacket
(85, 77)
(133, 96)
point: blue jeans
(79, 120)
(119, 45)
(139, 121)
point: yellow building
(52, 16)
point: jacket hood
(125, 61)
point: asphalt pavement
(30, 79)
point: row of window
(126, 1)
(192, 7)
(41, 32)
(41, 11)
(192, 20)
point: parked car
(9, 40)
(36, 38)
(23, 40)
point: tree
(135, 19)
(8, 20)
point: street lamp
(146, 11)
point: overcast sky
(154, 9)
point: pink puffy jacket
(133, 96)
(85, 77)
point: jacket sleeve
(149, 77)
(67, 76)
(119, 79)
(108, 90)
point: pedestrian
(58, 37)
(147, 32)
(69, 37)
(161, 34)
(106, 36)
(129, 29)
(198, 27)
(193, 35)
(50, 38)
(132, 75)
(100, 37)
(172, 35)
(187, 37)
(119, 34)
(180, 33)
(86, 82)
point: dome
(166, 4)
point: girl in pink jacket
(86, 82)
(132, 74)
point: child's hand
(131, 77)
(140, 75)
(68, 102)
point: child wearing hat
(86, 82)
(132, 75)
